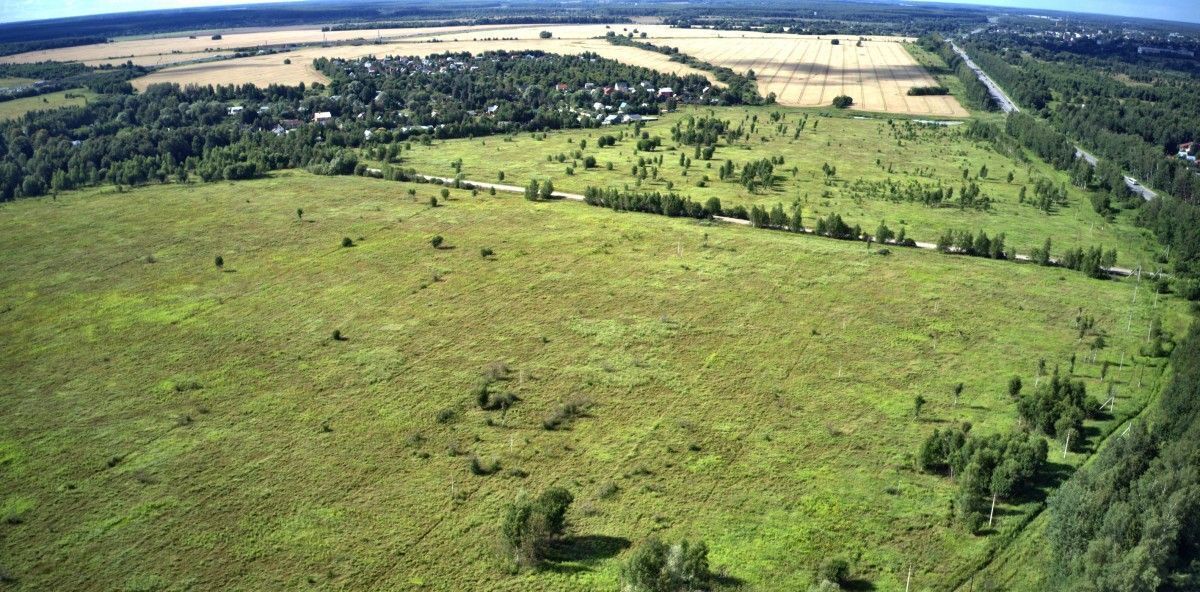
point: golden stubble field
(802, 71)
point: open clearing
(800, 70)
(861, 149)
(163, 419)
(268, 69)
(18, 107)
(810, 72)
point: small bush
(834, 569)
(486, 252)
(445, 193)
(337, 335)
(446, 415)
(437, 241)
(566, 413)
(347, 242)
(433, 202)
(219, 262)
(479, 467)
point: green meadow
(17, 107)
(868, 149)
(174, 425)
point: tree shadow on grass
(1048, 479)
(862, 585)
(588, 548)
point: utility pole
(908, 582)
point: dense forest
(1131, 519)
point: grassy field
(861, 149)
(9, 82)
(18, 107)
(171, 426)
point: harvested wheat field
(810, 71)
(268, 69)
(121, 50)
(802, 71)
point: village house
(323, 117)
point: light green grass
(852, 145)
(18, 107)
(752, 388)
(9, 82)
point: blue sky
(23, 10)
(1169, 10)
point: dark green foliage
(1058, 407)
(347, 241)
(842, 101)
(994, 466)
(437, 241)
(667, 204)
(835, 570)
(653, 566)
(483, 468)
(1130, 520)
(486, 252)
(1014, 387)
(833, 226)
(531, 526)
(926, 91)
(219, 261)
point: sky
(1168, 10)
(24, 10)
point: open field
(164, 419)
(18, 107)
(158, 59)
(808, 72)
(861, 149)
(800, 70)
(268, 69)
(148, 46)
(11, 82)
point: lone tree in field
(347, 242)
(437, 241)
(299, 213)
(545, 34)
(842, 101)
(531, 190)
(547, 190)
(918, 404)
(531, 525)
(219, 262)
(433, 203)
(655, 567)
(1014, 387)
(958, 389)
(445, 193)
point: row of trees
(1138, 127)
(739, 89)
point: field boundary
(921, 245)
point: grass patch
(752, 389)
